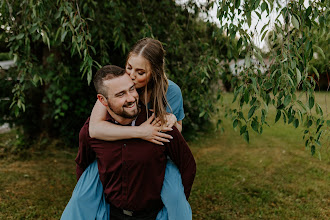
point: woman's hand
(151, 130)
(171, 120)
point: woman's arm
(103, 130)
(178, 125)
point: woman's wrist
(138, 132)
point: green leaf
(263, 35)
(20, 36)
(287, 100)
(259, 57)
(318, 129)
(318, 109)
(298, 75)
(313, 150)
(251, 112)
(264, 27)
(202, 114)
(247, 60)
(93, 49)
(65, 106)
(309, 123)
(268, 85)
(237, 3)
(263, 6)
(319, 50)
(58, 101)
(256, 4)
(316, 72)
(328, 123)
(57, 15)
(295, 21)
(296, 123)
(302, 105)
(63, 35)
(308, 11)
(311, 102)
(235, 123)
(239, 43)
(246, 136)
(255, 125)
(278, 116)
(243, 129)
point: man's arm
(85, 155)
(180, 153)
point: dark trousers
(117, 214)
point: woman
(145, 65)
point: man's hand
(151, 130)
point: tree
(56, 43)
(291, 62)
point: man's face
(122, 96)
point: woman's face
(138, 68)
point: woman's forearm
(107, 131)
(101, 129)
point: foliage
(290, 65)
(54, 43)
(4, 56)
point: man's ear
(102, 99)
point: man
(131, 171)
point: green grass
(272, 177)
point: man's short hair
(105, 73)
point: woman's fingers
(163, 135)
(161, 139)
(152, 117)
(156, 142)
(156, 122)
(165, 129)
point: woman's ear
(102, 99)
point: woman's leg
(87, 200)
(176, 205)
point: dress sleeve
(179, 151)
(85, 155)
(175, 100)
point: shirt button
(124, 145)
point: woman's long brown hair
(152, 50)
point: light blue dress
(88, 200)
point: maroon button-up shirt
(132, 171)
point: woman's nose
(132, 75)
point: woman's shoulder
(173, 88)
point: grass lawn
(272, 177)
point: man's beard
(122, 111)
